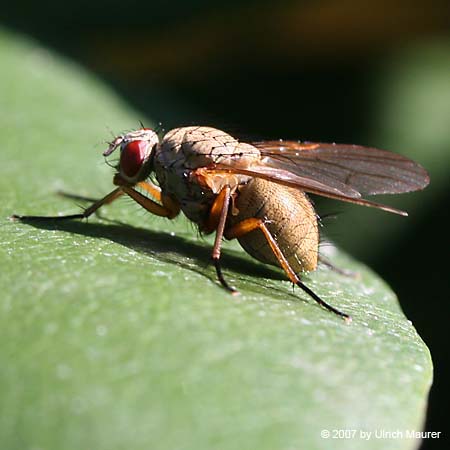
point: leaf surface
(116, 335)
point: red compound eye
(132, 157)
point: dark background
(370, 73)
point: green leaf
(115, 333)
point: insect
(254, 192)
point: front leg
(169, 207)
(107, 199)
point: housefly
(254, 192)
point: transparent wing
(343, 172)
(365, 170)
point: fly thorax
(187, 167)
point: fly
(254, 192)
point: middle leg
(216, 221)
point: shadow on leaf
(163, 246)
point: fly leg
(109, 198)
(168, 207)
(248, 225)
(347, 273)
(80, 198)
(152, 189)
(216, 221)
